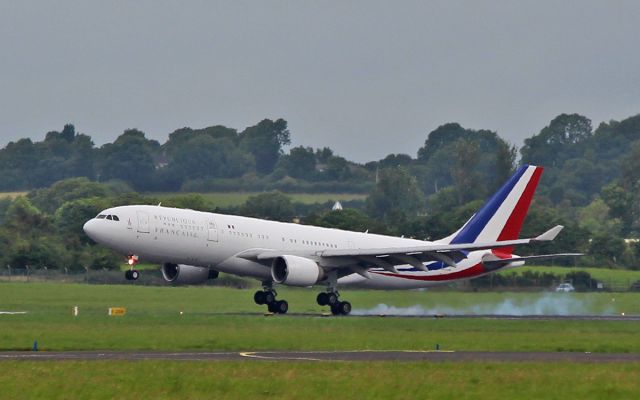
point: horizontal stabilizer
(550, 234)
(505, 261)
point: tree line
(590, 185)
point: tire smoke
(548, 304)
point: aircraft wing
(388, 258)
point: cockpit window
(109, 217)
(101, 216)
(115, 218)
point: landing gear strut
(331, 298)
(132, 274)
(268, 296)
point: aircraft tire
(322, 299)
(281, 306)
(127, 275)
(272, 307)
(332, 299)
(135, 274)
(345, 308)
(269, 296)
(259, 297)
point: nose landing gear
(132, 274)
(268, 296)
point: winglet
(550, 234)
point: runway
(324, 356)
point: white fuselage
(181, 236)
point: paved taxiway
(431, 356)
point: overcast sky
(362, 77)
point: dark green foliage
(264, 141)
(300, 163)
(591, 184)
(273, 205)
(347, 219)
(476, 162)
(581, 280)
(25, 164)
(396, 197)
(130, 158)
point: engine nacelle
(296, 271)
(181, 274)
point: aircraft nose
(90, 228)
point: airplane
(194, 246)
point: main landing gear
(331, 298)
(132, 274)
(268, 296)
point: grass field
(153, 322)
(600, 274)
(227, 199)
(11, 195)
(289, 380)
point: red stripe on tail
(512, 228)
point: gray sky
(366, 78)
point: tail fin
(502, 215)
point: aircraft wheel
(281, 307)
(322, 299)
(272, 307)
(135, 274)
(335, 310)
(332, 299)
(127, 275)
(259, 297)
(269, 296)
(345, 308)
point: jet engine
(181, 274)
(296, 271)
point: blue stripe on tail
(477, 223)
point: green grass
(11, 195)
(227, 199)
(616, 278)
(154, 322)
(291, 380)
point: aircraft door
(143, 222)
(212, 234)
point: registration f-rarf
(193, 246)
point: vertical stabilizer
(502, 215)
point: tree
(50, 199)
(72, 215)
(130, 158)
(465, 175)
(396, 195)
(347, 219)
(558, 141)
(23, 218)
(205, 157)
(265, 141)
(337, 169)
(301, 163)
(273, 205)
